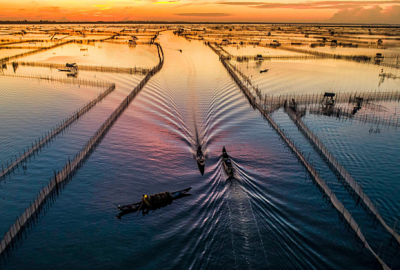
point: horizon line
(187, 22)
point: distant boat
(200, 156)
(200, 160)
(226, 161)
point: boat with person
(153, 202)
(201, 160)
(200, 156)
(227, 163)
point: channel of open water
(269, 216)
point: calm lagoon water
(270, 216)
(99, 53)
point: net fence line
(48, 78)
(149, 41)
(363, 117)
(20, 47)
(341, 97)
(110, 69)
(53, 133)
(86, 41)
(274, 57)
(339, 169)
(10, 42)
(308, 99)
(311, 170)
(9, 58)
(357, 58)
(31, 212)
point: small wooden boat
(200, 156)
(265, 70)
(226, 161)
(153, 202)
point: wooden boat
(201, 160)
(227, 163)
(153, 202)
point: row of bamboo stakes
(9, 58)
(310, 100)
(341, 97)
(342, 57)
(109, 69)
(362, 117)
(340, 170)
(301, 157)
(313, 55)
(11, 42)
(48, 78)
(53, 133)
(314, 99)
(32, 212)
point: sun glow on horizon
(372, 11)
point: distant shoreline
(196, 23)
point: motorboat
(200, 156)
(227, 163)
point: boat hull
(228, 169)
(134, 207)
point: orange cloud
(102, 7)
(309, 4)
(376, 14)
(204, 14)
(167, 2)
(51, 9)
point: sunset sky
(207, 10)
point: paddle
(139, 209)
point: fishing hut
(358, 101)
(132, 42)
(378, 57)
(292, 105)
(71, 68)
(328, 103)
(275, 44)
(15, 66)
